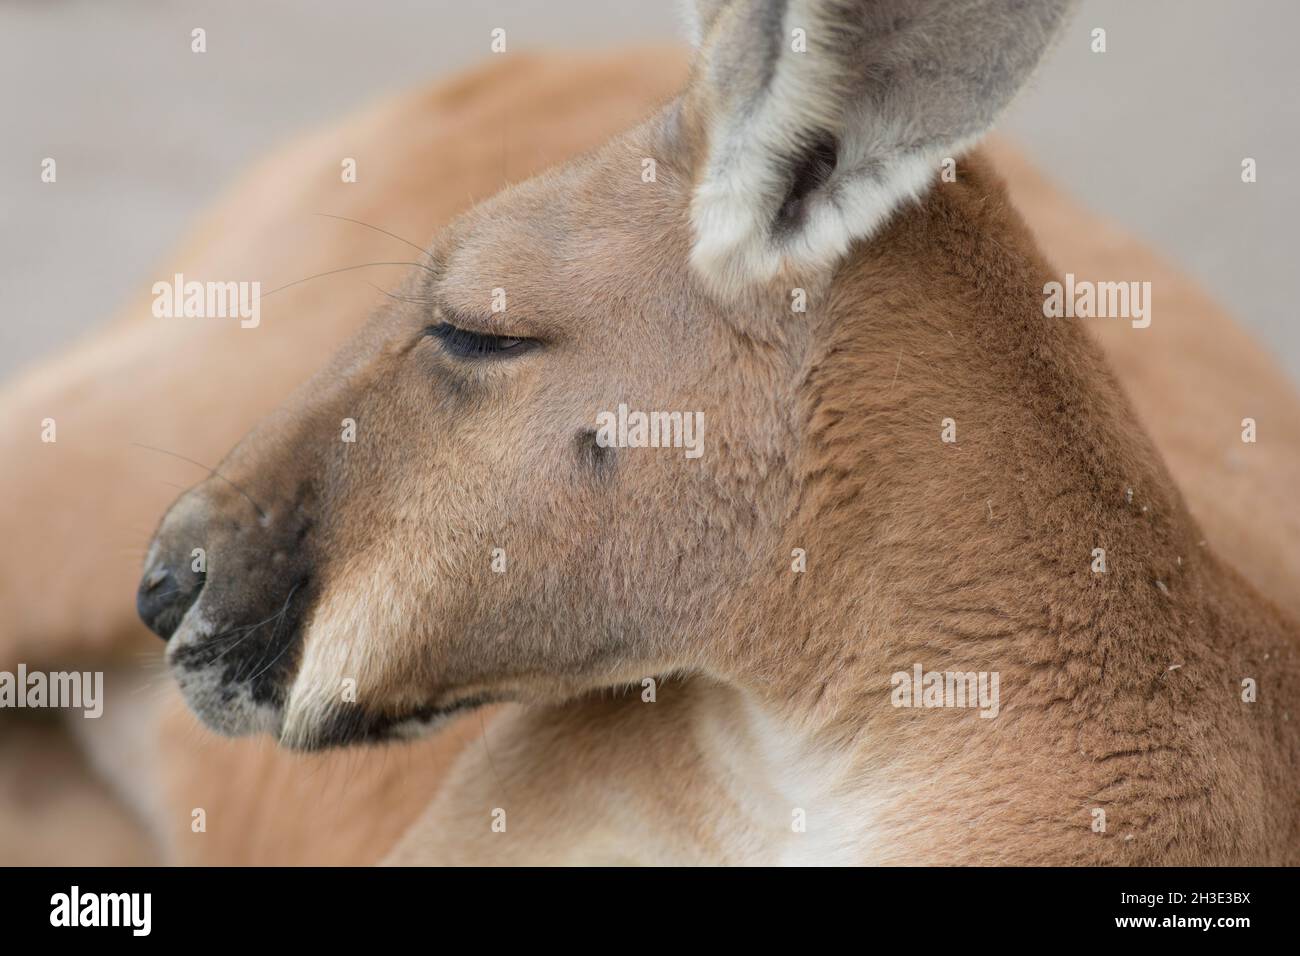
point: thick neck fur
(1120, 690)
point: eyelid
(467, 321)
(471, 345)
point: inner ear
(811, 172)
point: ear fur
(821, 117)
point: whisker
(363, 265)
(279, 619)
(261, 513)
(391, 235)
(408, 299)
(271, 643)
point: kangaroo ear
(820, 117)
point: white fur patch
(734, 246)
(797, 803)
(344, 641)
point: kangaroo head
(578, 444)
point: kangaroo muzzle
(227, 583)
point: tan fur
(1192, 377)
(928, 558)
(442, 150)
(1122, 690)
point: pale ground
(146, 132)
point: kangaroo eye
(464, 344)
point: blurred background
(146, 133)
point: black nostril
(163, 599)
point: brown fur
(1123, 689)
(928, 551)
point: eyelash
(464, 344)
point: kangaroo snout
(227, 583)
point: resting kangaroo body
(905, 464)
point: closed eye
(464, 344)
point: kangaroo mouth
(234, 659)
(353, 726)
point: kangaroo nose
(164, 597)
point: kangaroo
(905, 467)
